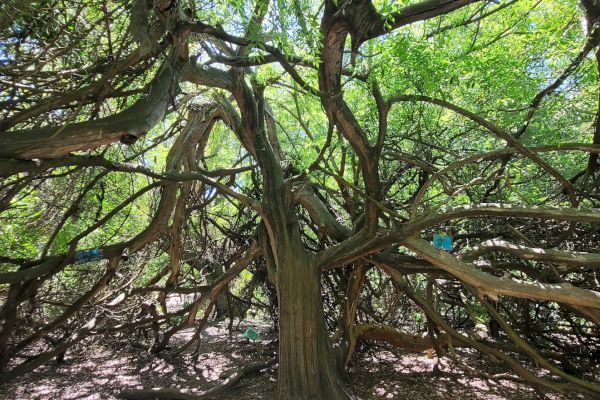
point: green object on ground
(251, 334)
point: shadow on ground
(106, 368)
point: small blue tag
(443, 242)
(84, 256)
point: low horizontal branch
(491, 286)
(573, 258)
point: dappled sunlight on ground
(213, 365)
(405, 375)
(106, 368)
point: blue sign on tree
(443, 242)
(84, 256)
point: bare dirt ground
(105, 368)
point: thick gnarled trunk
(307, 366)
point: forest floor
(105, 368)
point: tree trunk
(307, 365)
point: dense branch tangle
(299, 159)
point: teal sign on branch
(443, 242)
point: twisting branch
(490, 286)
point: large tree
(158, 147)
